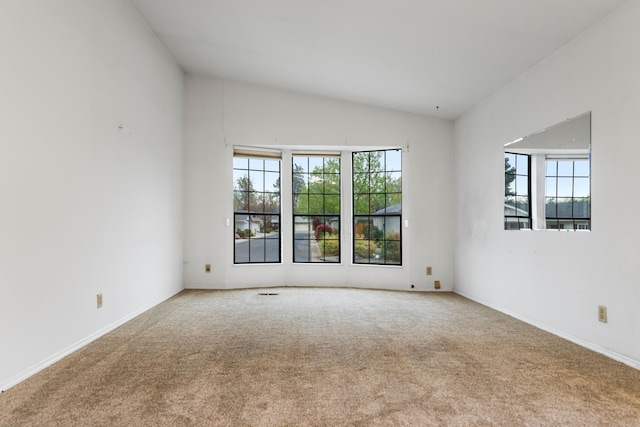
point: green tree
(322, 194)
(509, 177)
(373, 187)
(245, 196)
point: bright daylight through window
(547, 178)
(377, 207)
(567, 194)
(256, 206)
(516, 191)
(316, 209)
(316, 201)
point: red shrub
(323, 228)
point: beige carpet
(313, 356)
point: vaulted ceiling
(433, 57)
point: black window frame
(519, 218)
(576, 205)
(251, 205)
(372, 222)
(316, 225)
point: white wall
(221, 114)
(556, 280)
(86, 207)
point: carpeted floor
(316, 357)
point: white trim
(75, 347)
(586, 344)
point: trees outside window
(377, 207)
(316, 209)
(256, 200)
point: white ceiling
(408, 55)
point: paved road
(258, 249)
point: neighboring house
(248, 222)
(379, 222)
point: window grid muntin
(374, 242)
(520, 199)
(567, 171)
(258, 209)
(311, 244)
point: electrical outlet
(602, 313)
(207, 268)
(429, 271)
(99, 300)
(436, 284)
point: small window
(316, 209)
(256, 205)
(377, 207)
(517, 187)
(567, 194)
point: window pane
(240, 201)
(392, 228)
(565, 207)
(565, 187)
(332, 204)
(240, 179)
(551, 167)
(394, 182)
(316, 182)
(581, 187)
(393, 203)
(272, 165)
(361, 204)
(551, 208)
(256, 202)
(316, 235)
(522, 206)
(271, 181)
(522, 185)
(360, 162)
(256, 179)
(522, 164)
(256, 164)
(256, 237)
(316, 164)
(300, 164)
(565, 167)
(332, 183)
(511, 223)
(581, 168)
(316, 204)
(360, 183)
(581, 208)
(240, 163)
(510, 206)
(551, 187)
(376, 161)
(271, 202)
(393, 160)
(377, 215)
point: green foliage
(371, 232)
(372, 185)
(244, 234)
(364, 248)
(391, 247)
(509, 177)
(329, 247)
(321, 195)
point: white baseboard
(74, 347)
(586, 344)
